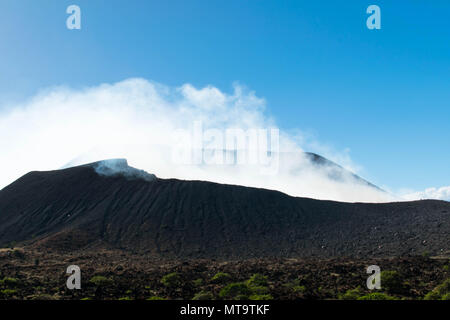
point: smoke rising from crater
(135, 119)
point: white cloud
(442, 193)
(136, 119)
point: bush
(8, 292)
(10, 282)
(171, 280)
(101, 281)
(257, 280)
(295, 286)
(198, 282)
(352, 294)
(261, 297)
(234, 290)
(203, 295)
(432, 295)
(299, 289)
(259, 290)
(155, 298)
(376, 296)
(221, 277)
(392, 282)
(440, 292)
(446, 296)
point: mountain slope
(77, 208)
(337, 172)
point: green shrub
(8, 292)
(441, 291)
(376, 296)
(125, 298)
(198, 282)
(432, 295)
(392, 282)
(259, 290)
(203, 295)
(446, 296)
(261, 297)
(299, 289)
(233, 290)
(171, 280)
(257, 280)
(295, 286)
(10, 282)
(155, 298)
(352, 294)
(101, 281)
(221, 277)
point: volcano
(108, 204)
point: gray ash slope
(77, 208)
(336, 172)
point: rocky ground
(78, 209)
(29, 274)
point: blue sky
(383, 94)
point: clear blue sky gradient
(384, 94)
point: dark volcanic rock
(77, 208)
